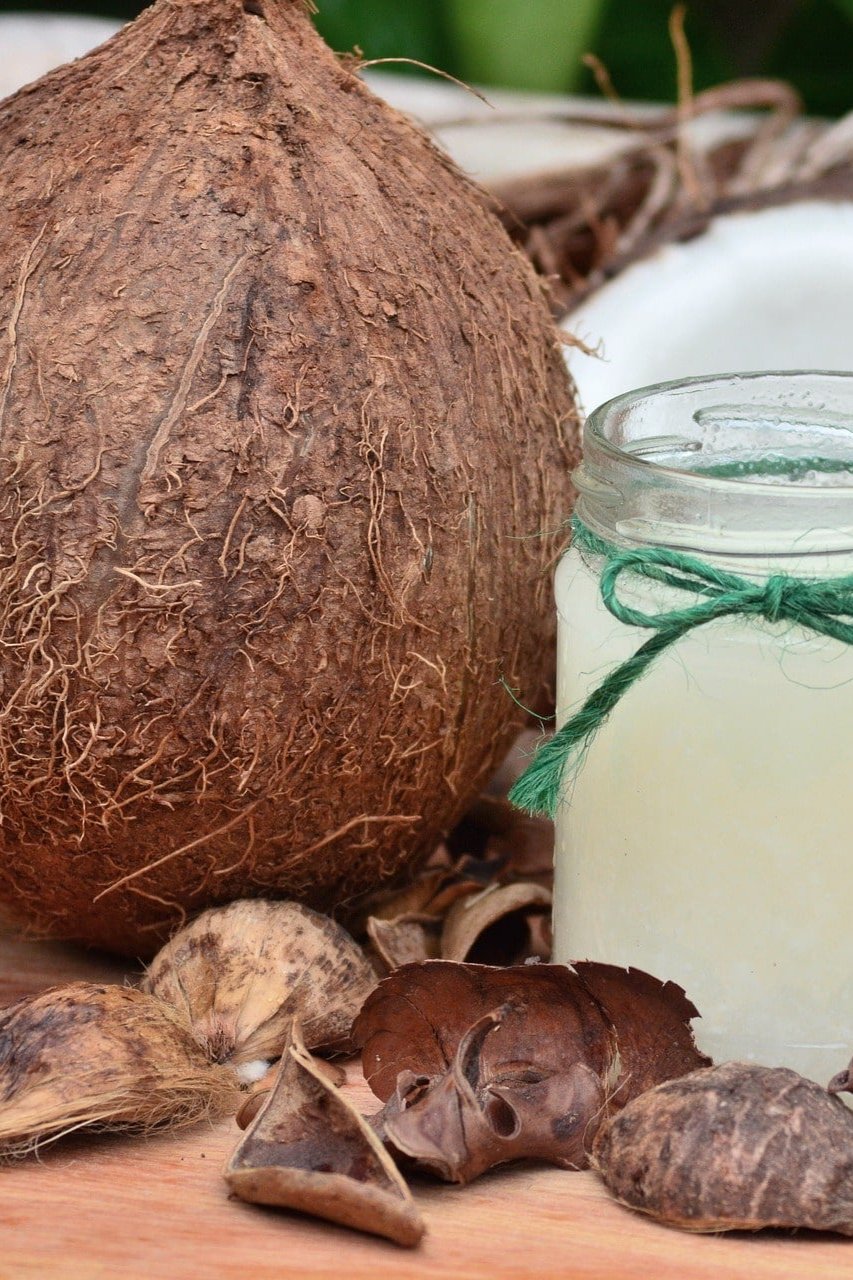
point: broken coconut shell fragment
(405, 940)
(332, 1072)
(239, 975)
(843, 1081)
(308, 1149)
(731, 1148)
(479, 1065)
(487, 902)
(472, 1117)
(105, 1057)
(501, 924)
(495, 925)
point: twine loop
(824, 606)
(811, 602)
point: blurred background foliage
(538, 44)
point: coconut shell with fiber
(285, 437)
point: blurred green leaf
(639, 53)
(527, 44)
(385, 29)
(816, 54)
(538, 43)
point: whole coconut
(284, 443)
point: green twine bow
(824, 606)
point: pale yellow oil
(708, 836)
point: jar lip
(604, 414)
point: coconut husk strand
(733, 248)
(284, 444)
(87, 1057)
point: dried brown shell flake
(478, 1065)
(106, 1057)
(488, 904)
(501, 924)
(308, 1149)
(497, 923)
(240, 974)
(405, 940)
(735, 1147)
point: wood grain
(157, 1209)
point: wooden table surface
(158, 1209)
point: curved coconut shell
(240, 974)
(282, 416)
(738, 1147)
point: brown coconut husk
(99, 1057)
(580, 227)
(306, 1148)
(284, 449)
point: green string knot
(824, 606)
(779, 596)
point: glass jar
(707, 833)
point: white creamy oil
(706, 835)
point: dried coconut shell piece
(842, 1082)
(730, 1148)
(239, 974)
(105, 1057)
(429, 896)
(494, 926)
(308, 1149)
(405, 940)
(416, 1018)
(332, 1072)
(484, 897)
(471, 1118)
(651, 1022)
(479, 1065)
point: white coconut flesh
(34, 44)
(766, 289)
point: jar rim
(599, 417)
(735, 464)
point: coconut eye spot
(253, 6)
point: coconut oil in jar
(705, 835)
